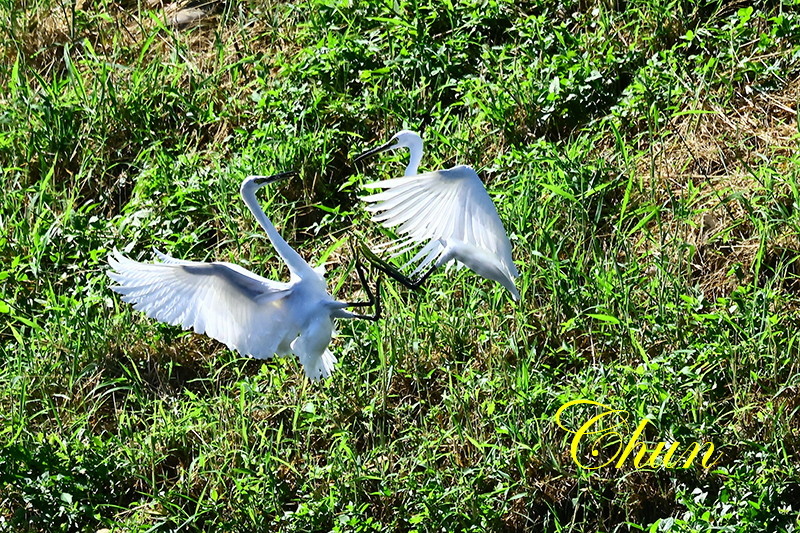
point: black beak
(374, 151)
(262, 180)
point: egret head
(402, 139)
(253, 183)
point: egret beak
(382, 148)
(263, 180)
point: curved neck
(415, 153)
(297, 265)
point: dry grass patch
(707, 173)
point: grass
(642, 155)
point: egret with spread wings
(446, 212)
(250, 314)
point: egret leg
(372, 300)
(394, 273)
(422, 279)
(386, 268)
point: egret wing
(449, 204)
(226, 302)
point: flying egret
(253, 315)
(448, 212)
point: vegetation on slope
(642, 155)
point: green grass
(642, 155)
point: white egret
(448, 212)
(250, 314)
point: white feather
(449, 204)
(250, 314)
(447, 212)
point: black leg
(395, 274)
(372, 300)
(388, 269)
(426, 275)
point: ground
(642, 156)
